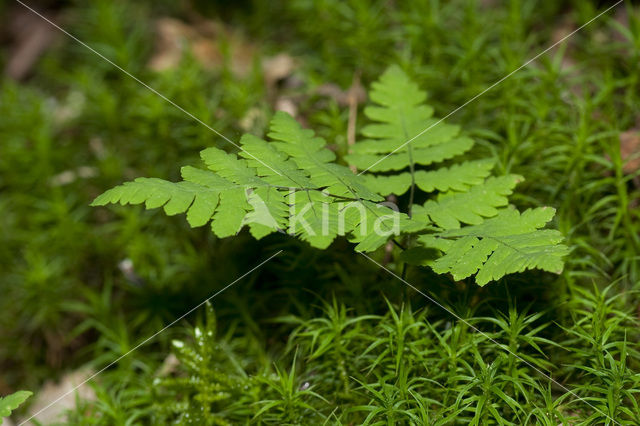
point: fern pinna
(293, 184)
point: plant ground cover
(317, 336)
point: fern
(11, 402)
(400, 116)
(292, 183)
(507, 243)
(470, 207)
(296, 187)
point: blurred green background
(80, 286)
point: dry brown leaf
(31, 36)
(560, 34)
(169, 366)
(4, 387)
(342, 97)
(69, 176)
(622, 17)
(630, 150)
(51, 391)
(277, 68)
(287, 105)
(242, 56)
(175, 37)
(96, 146)
(171, 37)
(253, 120)
(207, 53)
(70, 108)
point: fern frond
(396, 140)
(451, 208)
(228, 213)
(292, 183)
(229, 216)
(390, 223)
(507, 243)
(405, 156)
(290, 175)
(232, 168)
(294, 188)
(310, 154)
(11, 402)
(174, 197)
(269, 211)
(459, 177)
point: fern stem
(341, 197)
(412, 189)
(400, 246)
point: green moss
(78, 126)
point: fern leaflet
(507, 243)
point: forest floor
(313, 336)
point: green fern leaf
(459, 177)
(174, 197)
(470, 207)
(11, 402)
(273, 194)
(397, 140)
(227, 213)
(232, 168)
(389, 223)
(269, 211)
(282, 171)
(292, 183)
(406, 156)
(229, 216)
(508, 243)
(310, 154)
